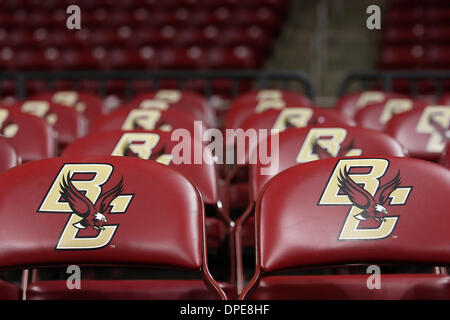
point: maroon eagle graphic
(93, 215)
(372, 206)
(323, 153)
(443, 132)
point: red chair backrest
(88, 104)
(8, 156)
(153, 145)
(376, 115)
(157, 221)
(178, 100)
(350, 103)
(294, 117)
(146, 119)
(423, 132)
(68, 123)
(301, 145)
(30, 136)
(318, 223)
(259, 101)
(286, 118)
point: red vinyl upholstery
(147, 119)
(350, 103)
(301, 145)
(9, 291)
(258, 101)
(158, 147)
(423, 132)
(317, 223)
(68, 124)
(186, 101)
(293, 117)
(88, 104)
(140, 222)
(8, 156)
(30, 136)
(126, 290)
(345, 287)
(376, 115)
(283, 118)
(296, 146)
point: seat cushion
(124, 290)
(354, 287)
(9, 291)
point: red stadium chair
(321, 221)
(85, 103)
(294, 118)
(186, 101)
(136, 223)
(423, 132)
(277, 119)
(376, 115)
(258, 101)
(9, 291)
(146, 119)
(31, 137)
(68, 123)
(349, 104)
(301, 145)
(158, 146)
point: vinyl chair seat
(124, 290)
(354, 287)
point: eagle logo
(93, 215)
(443, 132)
(323, 153)
(373, 206)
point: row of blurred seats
(252, 36)
(140, 35)
(278, 5)
(380, 129)
(416, 35)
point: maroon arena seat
(121, 220)
(9, 291)
(282, 119)
(88, 104)
(301, 145)
(278, 119)
(157, 146)
(423, 132)
(376, 115)
(147, 119)
(186, 101)
(259, 101)
(350, 103)
(294, 117)
(68, 124)
(8, 156)
(30, 136)
(359, 211)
